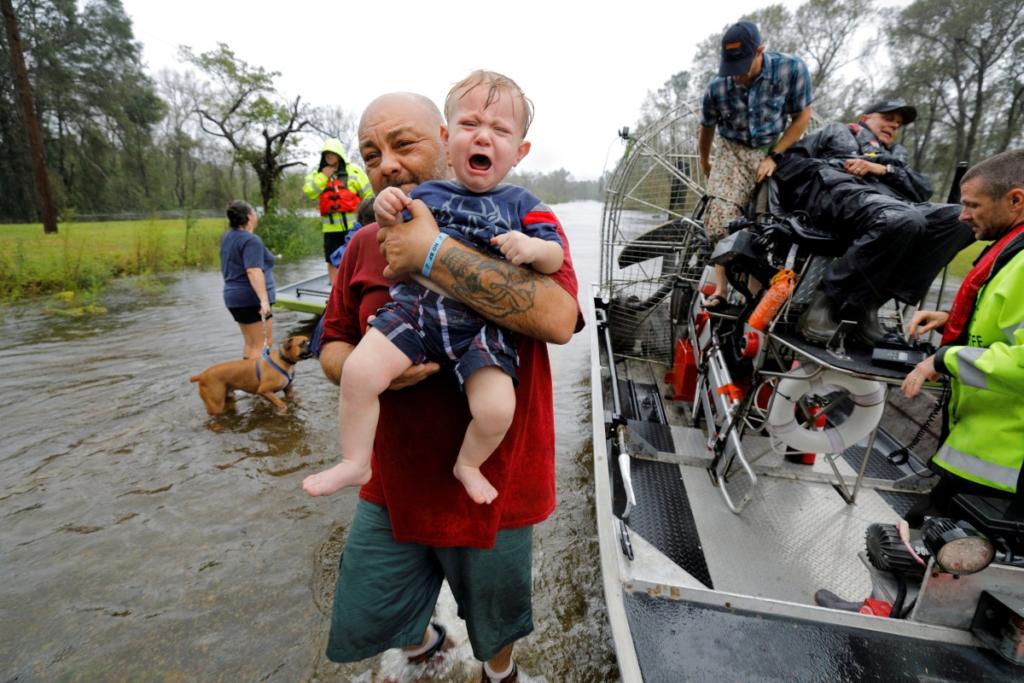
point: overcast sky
(587, 66)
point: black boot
(818, 324)
(869, 330)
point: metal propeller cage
(653, 247)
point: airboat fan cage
(653, 247)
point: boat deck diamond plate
(793, 538)
(664, 517)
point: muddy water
(140, 541)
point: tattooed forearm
(495, 289)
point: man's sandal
(511, 678)
(436, 648)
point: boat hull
(306, 296)
(695, 592)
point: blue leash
(266, 357)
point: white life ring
(869, 403)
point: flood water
(140, 541)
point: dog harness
(266, 356)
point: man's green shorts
(386, 590)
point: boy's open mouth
(479, 162)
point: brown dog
(254, 375)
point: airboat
(740, 469)
(305, 296)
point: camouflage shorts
(732, 180)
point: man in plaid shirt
(761, 104)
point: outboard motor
(887, 552)
(962, 573)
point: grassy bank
(83, 257)
(961, 264)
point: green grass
(83, 257)
(962, 262)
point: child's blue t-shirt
(474, 218)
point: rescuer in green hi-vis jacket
(982, 349)
(339, 187)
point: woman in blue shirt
(248, 278)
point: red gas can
(683, 377)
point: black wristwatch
(775, 156)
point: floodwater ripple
(143, 540)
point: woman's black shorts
(247, 315)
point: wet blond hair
(496, 83)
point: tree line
(558, 186)
(960, 62)
(119, 139)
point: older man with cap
(855, 180)
(761, 104)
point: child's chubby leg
(367, 372)
(492, 402)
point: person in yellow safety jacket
(338, 186)
(982, 350)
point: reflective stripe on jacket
(986, 411)
(358, 183)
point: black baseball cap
(885, 106)
(739, 46)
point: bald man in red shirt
(414, 524)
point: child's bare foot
(345, 473)
(477, 486)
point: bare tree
(1011, 89)
(242, 106)
(335, 122)
(957, 49)
(179, 131)
(825, 33)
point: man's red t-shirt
(421, 427)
